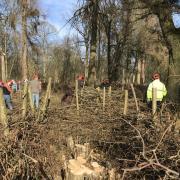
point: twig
(34, 160)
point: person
(105, 83)
(80, 79)
(161, 91)
(7, 94)
(14, 87)
(35, 87)
(67, 95)
(1, 84)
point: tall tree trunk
(24, 65)
(3, 67)
(109, 51)
(171, 36)
(3, 114)
(86, 61)
(5, 57)
(44, 65)
(93, 45)
(138, 76)
(174, 70)
(172, 40)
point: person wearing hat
(161, 91)
(80, 79)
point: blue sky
(176, 18)
(58, 12)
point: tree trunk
(46, 102)
(109, 51)
(174, 72)
(138, 77)
(3, 67)
(44, 64)
(5, 57)
(93, 45)
(3, 114)
(86, 61)
(172, 39)
(24, 65)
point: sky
(58, 12)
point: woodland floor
(132, 144)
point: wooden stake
(77, 98)
(104, 98)
(3, 114)
(109, 92)
(135, 99)
(123, 79)
(24, 104)
(125, 102)
(154, 101)
(30, 99)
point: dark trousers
(159, 103)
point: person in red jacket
(80, 79)
(7, 94)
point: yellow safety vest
(160, 89)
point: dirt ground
(134, 145)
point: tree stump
(79, 169)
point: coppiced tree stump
(79, 169)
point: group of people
(35, 87)
(11, 86)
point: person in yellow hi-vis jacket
(160, 89)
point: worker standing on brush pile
(161, 91)
(80, 79)
(7, 90)
(35, 87)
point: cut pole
(3, 114)
(30, 99)
(125, 102)
(154, 101)
(24, 104)
(109, 91)
(135, 99)
(77, 98)
(104, 98)
(123, 79)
